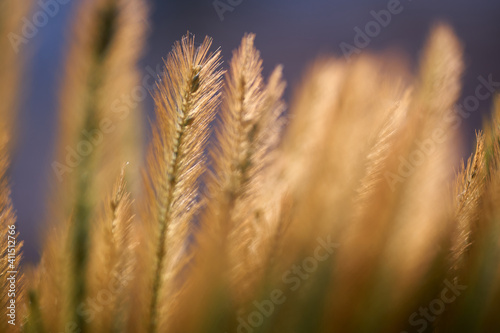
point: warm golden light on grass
(343, 214)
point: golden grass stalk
(469, 195)
(111, 264)
(10, 250)
(421, 224)
(337, 136)
(98, 114)
(185, 104)
(475, 249)
(248, 131)
(105, 45)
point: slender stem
(165, 203)
(86, 169)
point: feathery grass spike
(97, 134)
(112, 260)
(248, 130)
(10, 249)
(186, 99)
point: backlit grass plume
(111, 264)
(97, 135)
(477, 248)
(343, 213)
(248, 130)
(12, 282)
(186, 99)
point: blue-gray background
(290, 32)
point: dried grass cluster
(342, 215)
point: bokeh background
(289, 32)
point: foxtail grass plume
(185, 104)
(96, 136)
